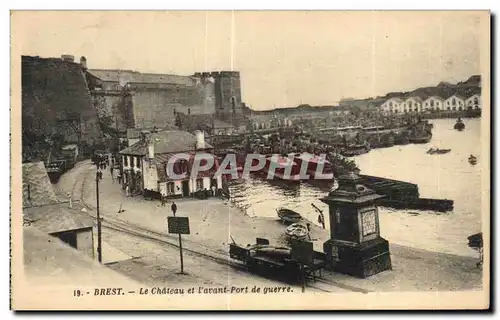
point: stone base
(358, 260)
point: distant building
(413, 104)
(392, 105)
(455, 103)
(222, 128)
(434, 103)
(473, 102)
(145, 164)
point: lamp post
(98, 177)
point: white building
(413, 104)
(145, 164)
(455, 103)
(473, 102)
(434, 103)
(392, 105)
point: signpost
(179, 225)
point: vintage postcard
(250, 160)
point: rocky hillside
(56, 105)
(443, 89)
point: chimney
(151, 149)
(200, 139)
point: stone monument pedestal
(361, 260)
(355, 246)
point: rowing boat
(296, 231)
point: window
(448, 108)
(125, 160)
(131, 162)
(390, 104)
(476, 101)
(170, 188)
(454, 108)
(410, 104)
(453, 102)
(460, 108)
(432, 103)
(199, 184)
(138, 162)
(189, 110)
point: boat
(476, 243)
(314, 164)
(438, 151)
(459, 125)
(421, 139)
(354, 150)
(280, 165)
(472, 160)
(289, 216)
(440, 205)
(296, 231)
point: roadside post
(179, 225)
(302, 252)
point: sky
(285, 58)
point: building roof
(57, 218)
(165, 142)
(135, 133)
(218, 124)
(49, 261)
(37, 188)
(435, 97)
(395, 98)
(130, 76)
(456, 96)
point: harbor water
(444, 176)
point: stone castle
(145, 100)
(55, 89)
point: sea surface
(446, 176)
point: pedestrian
(112, 177)
(174, 208)
(308, 225)
(162, 200)
(127, 190)
(119, 177)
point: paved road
(155, 258)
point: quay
(213, 221)
(404, 195)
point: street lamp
(98, 177)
